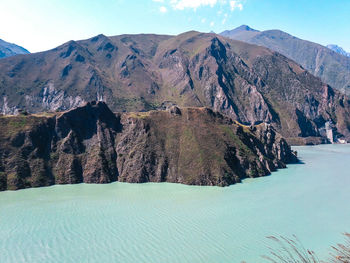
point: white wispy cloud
(212, 23)
(236, 4)
(225, 19)
(194, 4)
(163, 9)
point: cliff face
(248, 83)
(91, 144)
(71, 147)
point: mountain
(242, 33)
(331, 67)
(9, 49)
(339, 50)
(93, 145)
(248, 83)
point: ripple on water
(175, 223)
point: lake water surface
(168, 223)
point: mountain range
(249, 83)
(9, 49)
(332, 67)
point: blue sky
(44, 24)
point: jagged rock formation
(9, 49)
(93, 145)
(248, 83)
(330, 65)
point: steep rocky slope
(332, 67)
(93, 145)
(9, 49)
(248, 83)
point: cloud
(224, 19)
(163, 9)
(203, 20)
(236, 4)
(194, 4)
(212, 23)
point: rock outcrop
(91, 144)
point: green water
(176, 223)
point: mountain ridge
(333, 68)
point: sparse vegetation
(140, 115)
(291, 250)
(341, 252)
(10, 125)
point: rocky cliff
(248, 83)
(93, 145)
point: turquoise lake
(168, 223)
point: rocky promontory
(91, 144)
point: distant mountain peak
(8, 49)
(338, 49)
(245, 28)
